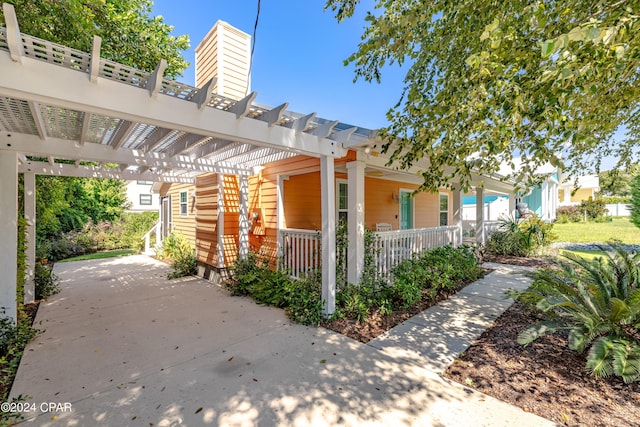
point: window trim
(185, 203)
(339, 182)
(440, 211)
(150, 200)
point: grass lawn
(580, 232)
(100, 255)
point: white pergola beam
(205, 94)
(343, 136)
(158, 137)
(36, 113)
(94, 71)
(155, 79)
(56, 85)
(324, 130)
(274, 115)
(60, 169)
(242, 107)
(91, 152)
(268, 158)
(210, 147)
(302, 123)
(14, 38)
(122, 134)
(86, 121)
(180, 147)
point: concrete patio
(124, 346)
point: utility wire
(253, 46)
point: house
(572, 191)
(233, 174)
(140, 197)
(285, 211)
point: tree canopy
(491, 80)
(129, 34)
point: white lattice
(15, 116)
(61, 122)
(101, 128)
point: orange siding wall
(207, 219)
(231, 218)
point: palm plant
(598, 302)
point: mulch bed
(546, 377)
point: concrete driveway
(124, 346)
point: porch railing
(393, 247)
(147, 239)
(300, 251)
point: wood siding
(185, 225)
(207, 219)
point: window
(444, 209)
(343, 200)
(183, 203)
(145, 199)
(139, 182)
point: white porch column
(280, 211)
(243, 186)
(220, 221)
(480, 237)
(512, 204)
(457, 212)
(328, 248)
(8, 232)
(30, 216)
(355, 223)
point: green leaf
(577, 34)
(538, 330)
(600, 358)
(547, 48)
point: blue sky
(298, 56)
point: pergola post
(480, 237)
(8, 232)
(243, 247)
(328, 245)
(355, 221)
(30, 216)
(457, 213)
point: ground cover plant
(365, 310)
(177, 250)
(521, 237)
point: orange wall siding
(207, 219)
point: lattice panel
(139, 134)
(123, 73)
(101, 128)
(178, 90)
(15, 116)
(173, 137)
(3, 39)
(62, 123)
(55, 53)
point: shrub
(47, 282)
(300, 298)
(521, 237)
(598, 302)
(565, 214)
(592, 209)
(176, 248)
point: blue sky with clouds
(298, 58)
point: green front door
(406, 210)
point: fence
(300, 251)
(392, 247)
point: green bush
(300, 298)
(598, 302)
(593, 209)
(21, 272)
(13, 340)
(47, 282)
(177, 249)
(521, 237)
(565, 214)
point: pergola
(90, 117)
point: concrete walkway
(125, 347)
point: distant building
(571, 194)
(140, 197)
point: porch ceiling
(67, 112)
